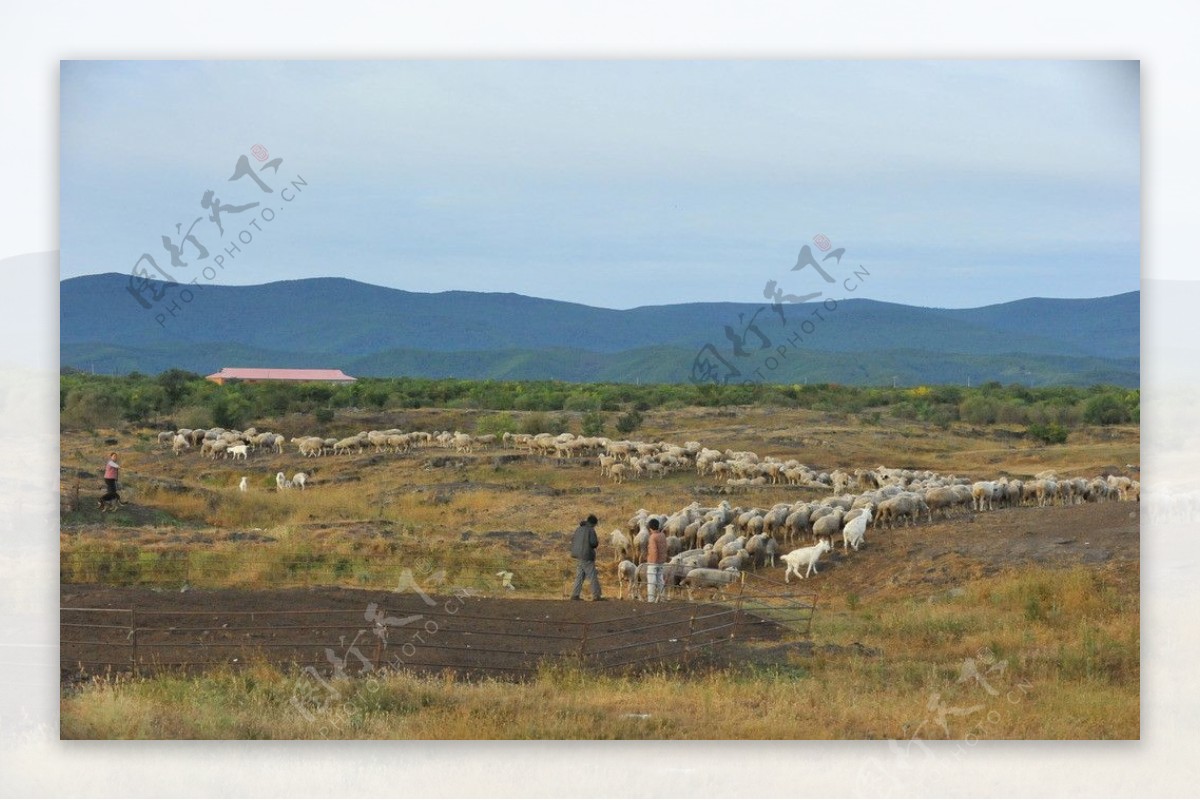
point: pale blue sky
(620, 183)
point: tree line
(186, 399)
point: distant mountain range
(376, 331)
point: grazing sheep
(299, 479)
(739, 561)
(828, 525)
(674, 546)
(626, 576)
(982, 494)
(734, 547)
(905, 507)
(944, 498)
(716, 579)
(621, 545)
(310, 445)
(243, 485)
(804, 556)
(1047, 490)
(641, 544)
(180, 443)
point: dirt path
(931, 557)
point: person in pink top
(112, 471)
(656, 556)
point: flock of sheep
(709, 547)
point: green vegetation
(181, 399)
(1051, 433)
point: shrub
(581, 401)
(324, 415)
(90, 408)
(630, 421)
(536, 423)
(593, 424)
(194, 417)
(498, 424)
(979, 410)
(1012, 414)
(1049, 433)
(229, 411)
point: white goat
(244, 485)
(506, 579)
(299, 479)
(805, 556)
(237, 451)
(856, 529)
(281, 481)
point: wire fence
(424, 634)
(202, 568)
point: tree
(174, 383)
(1106, 409)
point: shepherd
(583, 549)
(112, 470)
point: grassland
(1056, 638)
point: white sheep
(621, 544)
(703, 578)
(804, 556)
(626, 576)
(244, 485)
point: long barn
(253, 374)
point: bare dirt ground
(332, 630)
(201, 628)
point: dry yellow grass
(982, 665)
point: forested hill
(372, 330)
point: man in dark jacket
(583, 549)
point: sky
(612, 183)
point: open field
(911, 637)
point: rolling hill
(371, 330)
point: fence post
(737, 607)
(583, 643)
(687, 642)
(133, 653)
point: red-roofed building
(251, 374)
